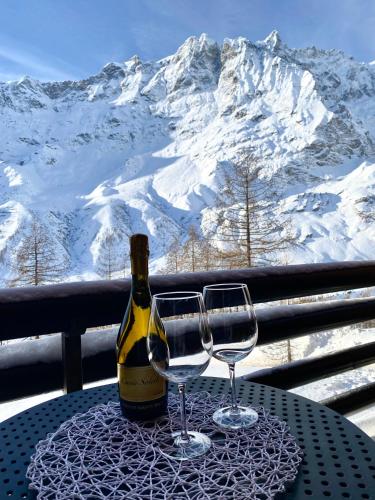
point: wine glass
(233, 324)
(179, 345)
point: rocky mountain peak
(273, 40)
(133, 63)
(113, 70)
(26, 81)
(195, 65)
(141, 146)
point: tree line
(247, 230)
(37, 260)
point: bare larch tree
(37, 261)
(195, 254)
(111, 258)
(191, 249)
(174, 262)
(248, 229)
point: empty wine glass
(234, 329)
(179, 346)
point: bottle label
(141, 383)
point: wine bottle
(143, 392)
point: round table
(339, 460)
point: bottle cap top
(139, 244)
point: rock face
(141, 145)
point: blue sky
(64, 39)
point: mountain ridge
(141, 146)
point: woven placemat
(101, 455)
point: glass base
(179, 449)
(237, 418)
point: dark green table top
(339, 459)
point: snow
(363, 419)
(18, 353)
(8, 409)
(139, 147)
(308, 346)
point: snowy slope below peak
(140, 147)
(333, 218)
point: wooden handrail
(71, 308)
(55, 308)
(37, 374)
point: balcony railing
(70, 309)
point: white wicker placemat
(101, 455)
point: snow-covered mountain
(140, 147)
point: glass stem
(184, 433)
(233, 385)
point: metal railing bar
(292, 321)
(72, 358)
(275, 323)
(42, 310)
(356, 399)
(305, 371)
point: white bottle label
(141, 383)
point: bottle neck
(139, 267)
(139, 281)
(139, 270)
